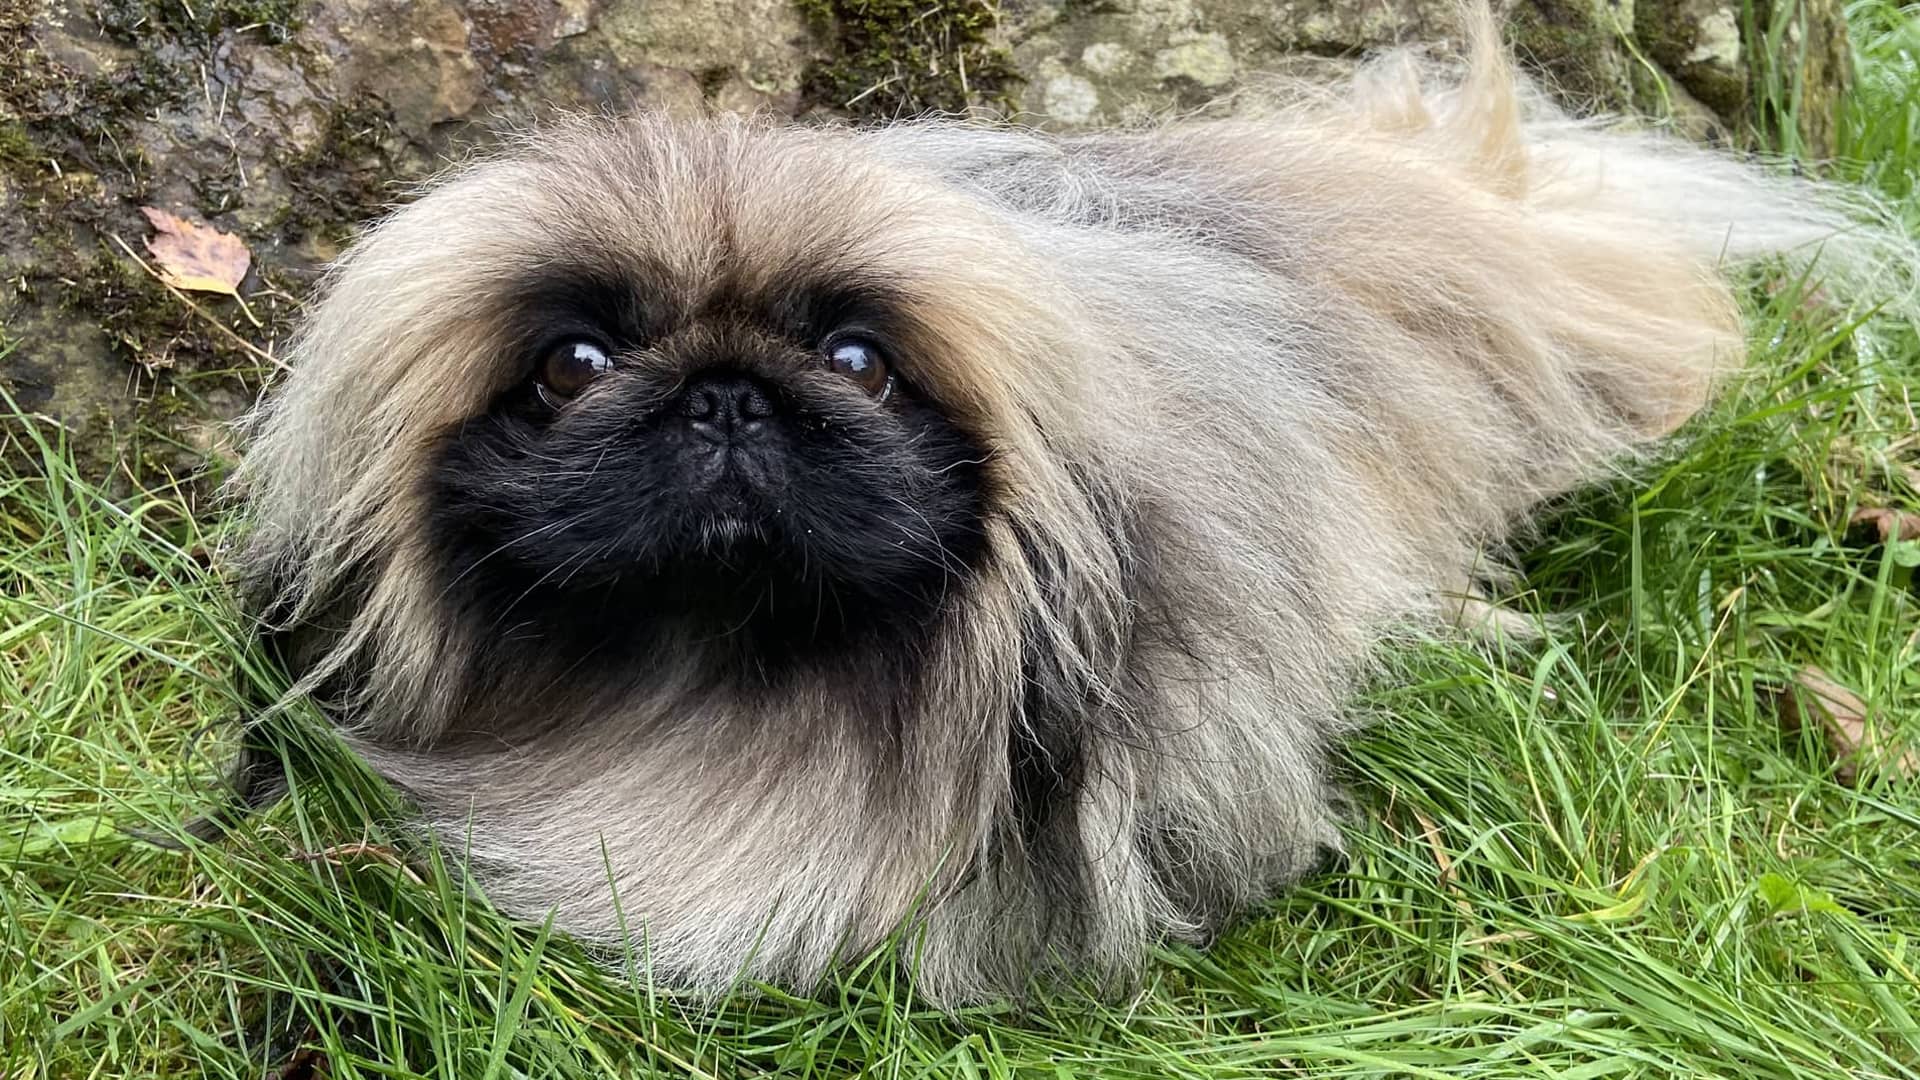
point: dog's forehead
(781, 241)
(638, 232)
(636, 297)
(719, 212)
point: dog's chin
(730, 580)
(721, 531)
(733, 510)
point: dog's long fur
(1253, 393)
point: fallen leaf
(1847, 724)
(1788, 897)
(1809, 303)
(306, 1063)
(340, 854)
(74, 832)
(197, 257)
(1625, 909)
(1891, 524)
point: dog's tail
(1632, 232)
(1730, 207)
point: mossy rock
(292, 122)
(888, 58)
(1702, 65)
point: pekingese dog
(760, 540)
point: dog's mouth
(727, 530)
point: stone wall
(287, 123)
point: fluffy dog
(766, 539)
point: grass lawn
(1598, 855)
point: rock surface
(290, 122)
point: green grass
(1601, 855)
(1880, 127)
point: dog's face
(643, 398)
(753, 461)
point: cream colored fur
(1258, 391)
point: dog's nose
(723, 406)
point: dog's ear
(1066, 707)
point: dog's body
(1184, 422)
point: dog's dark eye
(569, 366)
(861, 361)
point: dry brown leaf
(307, 1063)
(341, 854)
(1847, 724)
(196, 257)
(1430, 832)
(1815, 302)
(1891, 524)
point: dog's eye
(861, 361)
(569, 366)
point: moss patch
(131, 22)
(346, 179)
(69, 117)
(17, 148)
(1562, 42)
(1670, 36)
(99, 343)
(881, 59)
